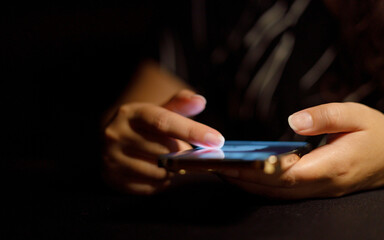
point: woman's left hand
(352, 160)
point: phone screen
(232, 153)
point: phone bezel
(179, 161)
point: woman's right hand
(142, 131)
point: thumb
(186, 103)
(329, 118)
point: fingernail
(229, 173)
(201, 98)
(300, 121)
(214, 140)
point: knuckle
(191, 133)
(340, 170)
(332, 114)
(130, 110)
(111, 135)
(340, 185)
(338, 189)
(161, 120)
(110, 163)
(124, 110)
(288, 180)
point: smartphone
(265, 155)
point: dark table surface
(46, 204)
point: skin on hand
(142, 131)
(352, 160)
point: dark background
(62, 64)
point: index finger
(174, 125)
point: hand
(141, 131)
(352, 160)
